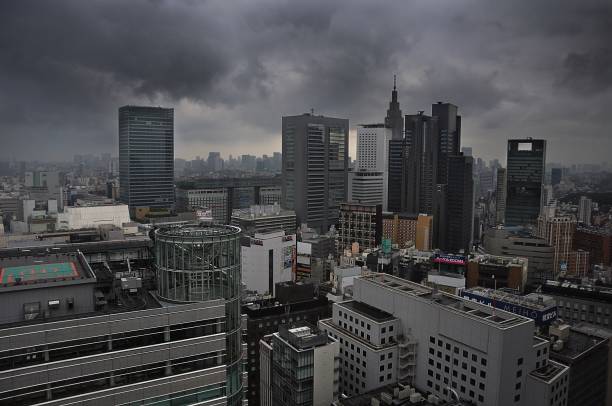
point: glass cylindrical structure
(199, 263)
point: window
(465, 353)
(519, 373)
(474, 357)
(383, 330)
(483, 361)
(517, 398)
(483, 374)
(432, 340)
(389, 355)
(519, 361)
(382, 357)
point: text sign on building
(450, 259)
(541, 317)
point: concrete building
(223, 196)
(315, 168)
(441, 344)
(492, 271)
(361, 224)
(559, 233)
(264, 218)
(556, 175)
(367, 187)
(303, 364)
(146, 157)
(399, 395)
(313, 252)
(585, 207)
(526, 169)
(264, 316)
(519, 242)
(71, 336)
(267, 259)
(404, 229)
(500, 196)
(585, 349)
(597, 241)
(581, 303)
(449, 138)
(372, 149)
(75, 218)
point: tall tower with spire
(394, 119)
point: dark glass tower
(460, 203)
(394, 119)
(449, 129)
(146, 157)
(525, 179)
(315, 168)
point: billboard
(541, 317)
(450, 259)
(386, 245)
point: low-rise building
(79, 217)
(581, 302)
(492, 271)
(264, 218)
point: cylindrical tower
(199, 263)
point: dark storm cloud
(231, 69)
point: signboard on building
(541, 317)
(203, 214)
(450, 259)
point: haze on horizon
(232, 69)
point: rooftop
(549, 371)
(577, 343)
(198, 231)
(532, 300)
(397, 396)
(486, 314)
(367, 310)
(303, 337)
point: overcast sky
(231, 69)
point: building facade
(146, 157)
(263, 218)
(315, 168)
(459, 205)
(404, 228)
(500, 197)
(525, 169)
(359, 223)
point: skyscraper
(146, 157)
(395, 175)
(421, 164)
(449, 130)
(394, 119)
(369, 181)
(315, 168)
(500, 196)
(584, 210)
(525, 170)
(460, 203)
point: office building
(525, 179)
(406, 229)
(223, 196)
(302, 363)
(184, 277)
(396, 164)
(267, 259)
(313, 253)
(581, 303)
(420, 175)
(146, 157)
(264, 218)
(294, 303)
(449, 142)
(78, 217)
(556, 175)
(585, 207)
(585, 349)
(495, 272)
(519, 242)
(394, 119)
(315, 168)
(361, 224)
(70, 335)
(368, 187)
(459, 204)
(444, 344)
(559, 233)
(500, 196)
(597, 241)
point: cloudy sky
(231, 69)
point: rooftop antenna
(312, 112)
(394, 82)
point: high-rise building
(525, 170)
(394, 119)
(420, 174)
(473, 351)
(404, 228)
(396, 164)
(146, 157)
(315, 168)
(556, 174)
(258, 219)
(370, 177)
(367, 187)
(500, 196)
(460, 204)
(299, 367)
(449, 128)
(584, 210)
(559, 233)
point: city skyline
(513, 72)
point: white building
(79, 217)
(371, 174)
(267, 258)
(441, 343)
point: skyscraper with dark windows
(394, 119)
(146, 157)
(449, 130)
(421, 163)
(315, 168)
(525, 179)
(460, 203)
